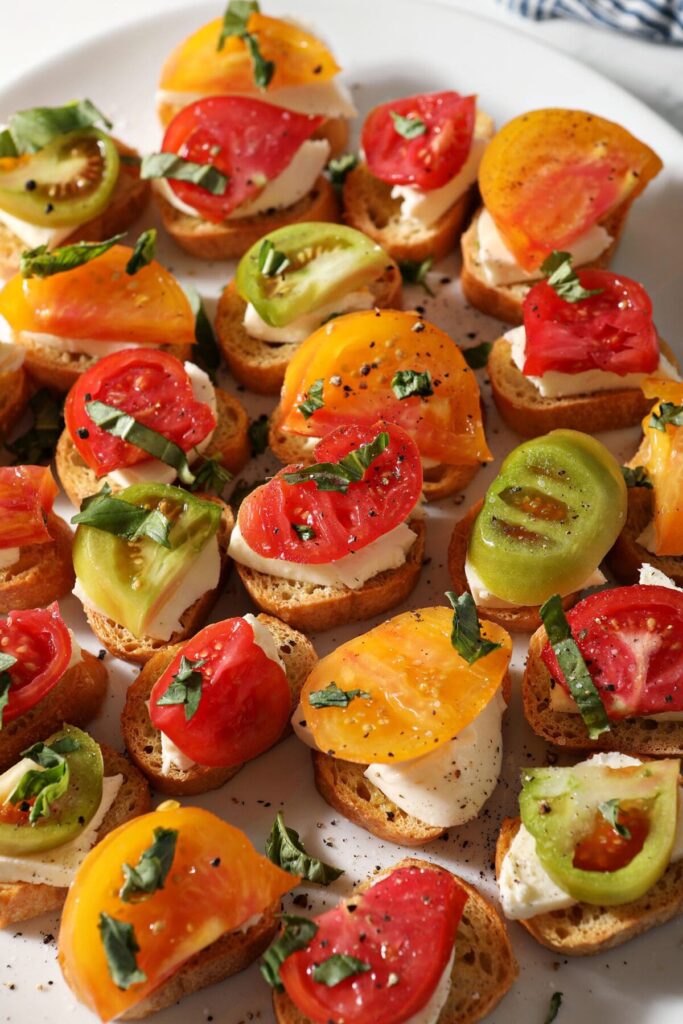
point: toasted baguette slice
(230, 444)
(639, 737)
(127, 203)
(584, 929)
(261, 366)
(43, 574)
(14, 395)
(525, 618)
(484, 968)
(143, 741)
(22, 900)
(504, 301)
(231, 239)
(120, 642)
(627, 555)
(314, 608)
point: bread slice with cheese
(43, 573)
(229, 444)
(20, 901)
(143, 741)
(584, 929)
(483, 970)
(628, 554)
(14, 395)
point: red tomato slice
(27, 494)
(404, 925)
(341, 523)
(245, 698)
(41, 643)
(152, 386)
(431, 159)
(632, 641)
(250, 141)
(612, 331)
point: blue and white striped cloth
(658, 20)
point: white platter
(388, 48)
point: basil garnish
(555, 1004)
(186, 687)
(336, 476)
(120, 947)
(258, 434)
(44, 262)
(337, 968)
(170, 165)
(6, 662)
(313, 399)
(297, 934)
(333, 697)
(263, 69)
(477, 356)
(340, 166)
(415, 272)
(123, 519)
(144, 251)
(151, 870)
(668, 415)
(31, 130)
(406, 383)
(410, 127)
(37, 444)
(563, 279)
(211, 476)
(47, 785)
(271, 261)
(285, 849)
(235, 19)
(573, 667)
(205, 352)
(636, 477)
(303, 531)
(122, 424)
(610, 812)
(466, 635)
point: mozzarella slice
(78, 346)
(298, 330)
(329, 99)
(486, 599)
(33, 235)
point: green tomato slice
(71, 813)
(549, 518)
(559, 807)
(325, 262)
(131, 580)
(69, 181)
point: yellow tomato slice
(548, 176)
(422, 692)
(217, 882)
(100, 301)
(662, 455)
(197, 66)
(357, 355)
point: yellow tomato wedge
(216, 882)
(198, 66)
(422, 693)
(661, 453)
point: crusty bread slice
(313, 608)
(525, 618)
(584, 929)
(504, 301)
(230, 444)
(14, 394)
(120, 642)
(231, 239)
(143, 741)
(22, 900)
(627, 555)
(484, 968)
(43, 574)
(261, 366)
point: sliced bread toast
(14, 395)
(627, 555)
(43, 574)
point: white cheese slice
(33, 235)
(173, 757)
(648, 538)
(78, 346)
(484, 598)
(329, 99)
(651, 577)
(431, 1011)
(11, 357)
(298, 330)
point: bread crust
(50, 367)
(44, 572)
(627, 555)
(14, 396)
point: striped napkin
(658, 20)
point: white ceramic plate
(388, 48)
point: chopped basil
(170, 165)
(668, 415)
(313, 400)
(466, 635)
(563, 279)
(285, 849)
(211, 476)
(242, 489)
(406, 383)
(143, 253)
(304, 531)
(31, 130)
(44, 262)
(340, 166)
(37, 444)
(553, 1009)
(151, 870)
(337, 968)
(415, 272)
(477, 356)
(336, 476)
(610, 812)
(263, 69)
(205, 352)
(47, 785)
(270, 260)
(120, 947)
(408, 127)
(235, 19)
(574, 669)
(186, 688)
(122, 424)
(258, 434)
(297, 934)
(6, 662)
(636, 477)
(113, 515)
(333, 697)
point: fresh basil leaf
(44, 262)
(205, 353)
(610, 812)
(553, 1009)
(303, 531)
(121, 518)
(284, 848)
(122, 424)
(263, 69)
(466, 635)
(211, 476)
(313, 400)
(271, 261)
(243, 489)
(668, 415)
(7, 144)
(411, 127)
(333, 697)
(151, 870)
(144, 251)
(186, 688)
(636, 477)
(235, 19)
(170, 165)
(415, 272)
(337, 968)
(477, 356)
(336, 476)
(34, 129)
(574, 668)
(120, 948)
(64, 745)
(45, 786)
(563, 279)
(406, 383)
(298, 933)
(340, 166)
(37, 444)
(258, 434)
(6, 662)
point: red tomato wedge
(632, 641)
(245, 698)
(217, 882)
(152, 386)
(661, 453)
(196, 65)
(548, 176)
(341, 522)
(250, 141)
(357, 357)
(431, 159)
(27, 494)
(99, 301)
(41, 643)
(404, 926)
(612, 331)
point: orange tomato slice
(197, 66)
(548, 176)
(100, 301)
(422, 692)
(27, 494)
(217, 882)
(357, 355)
(662, 455)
